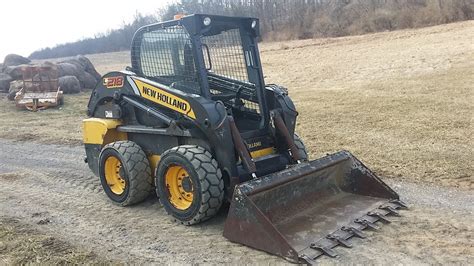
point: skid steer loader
(193, 119)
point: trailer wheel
(125, 173)
(189, 184)
(301, 147)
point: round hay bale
(75, 62)
(15, 60)
(67, 69)
(88, 77)
(49, 64)
(72, 69)
(5, 80)
(69, 84)
(14, 71)
(89, 81)
(88, 66)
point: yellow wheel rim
(180, 187)
(113, 170)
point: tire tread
(210, 177)
(138, 166)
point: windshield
(224, 55)
(166, 56)
(227, 69)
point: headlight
(254, 24)
(206, 21)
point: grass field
(401, 101)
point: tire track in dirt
(54, 191)
(144, 232)
(57, 187)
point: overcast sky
(28, 25)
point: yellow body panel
(164, 98)
(101, 131)
(153, 159)
(262, 152)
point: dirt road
(51, 191)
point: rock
(15, 60)
(1, 67)
(88, 66)
(72, 69)
(85, 71)
(89, 81)
(80, 71)
(68, 69)
(14, 71)
(48, 64)
(15, 86)
(5, 80)
(75, 62)
(69, 84)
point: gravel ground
(54, 193)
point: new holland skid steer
(193, 120)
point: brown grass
(21, 245)
(55, 126)
(400, 101)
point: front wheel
(189, 184)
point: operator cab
(215, 57)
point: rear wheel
(125, 173)
(189, 184)
(301, 148)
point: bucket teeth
(380, 216)
(325, 250)
(400, 203)
(354, 231)
(342, 236)
(308, 260)
(341, 241)
(367, 224)
(390, 210)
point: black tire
(206, 179)
(301, 147)
(134, 170)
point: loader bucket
(305, 211)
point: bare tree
(288, 19)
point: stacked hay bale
(75, 74)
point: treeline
(111, 41)
(301, 19)
(289, 19)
